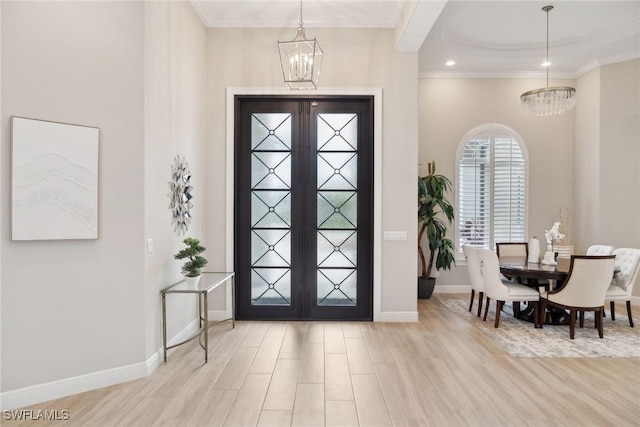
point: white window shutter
(491, 190)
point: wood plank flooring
(440, 371)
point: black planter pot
(425, 287)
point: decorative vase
(192, 281)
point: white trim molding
(452, 289)
(56, 389)
(397, 316)
(232, 92)
(65, 387)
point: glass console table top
(207, 282)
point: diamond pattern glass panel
(271, 286)
(271, 170)
(271, 132)
(271, 248)
(337, 132)
(271, 209)
(337, 209)
(337, 248)
(337, 286)
(337, 171)
(337, 203)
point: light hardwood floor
(440, 371)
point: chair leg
(486, 309)
(499, 305)
(628, 313)
(612, 305)
(473, 295)
(541, 309)
(480, 299)
(536, 306)
(582, 318)
(600, 323)
(516, 308)
(572, 324)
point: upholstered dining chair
(597, 250)
(583, 290)
(495, 288)
(600, 250)
(520, 249)
(512, 249)
(621, 288)
(475, 275)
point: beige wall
(175, 63)
(449, 108)
(84, 314)
(353, 58)
(74, 307)
(619, 152)
(607, 153)
(587, 160)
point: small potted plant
(192, 269)
(432, 203)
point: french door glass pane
(271, 286)
(337, 209)
(271, 209)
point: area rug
(521, 339)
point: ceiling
(484, 38)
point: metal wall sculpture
(180, 195)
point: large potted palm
(432, 205)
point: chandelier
(301, 59)
(548, 101)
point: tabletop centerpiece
(552, 235)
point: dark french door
(303, 207)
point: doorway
(304, 207)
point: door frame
(376, 93)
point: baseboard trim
(65, 387)
(217, 315)
(397, 316)
(56, 389)
(452, 289)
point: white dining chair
(583, 290)
(621, 288)
(495, 288)
(600, 250)
(475, 275)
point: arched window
(492, 186)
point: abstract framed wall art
(54, 180)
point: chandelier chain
(546, 9)
(301, 24)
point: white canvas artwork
(54, 180)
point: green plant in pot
(192, 269)
(432, 206)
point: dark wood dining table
(532, 274)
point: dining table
(538, 275)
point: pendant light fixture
(548, 101)
(301, 59)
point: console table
(208, 282)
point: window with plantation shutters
(491, 188)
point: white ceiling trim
(525, 74)
(416, 20)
